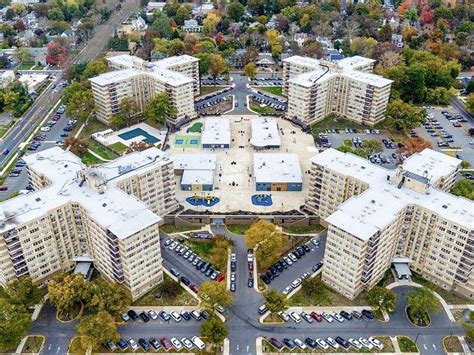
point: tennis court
(187, 141)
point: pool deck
(114, 137)
(234, 183)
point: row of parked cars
(146, 316)
(337, 343)
(268, 82)
(216, 101)
(268, 102)
(328, 317)
(164, 343)
(284, 263)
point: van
(196, 315)
(198, 342)
(262, 309)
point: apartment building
(110, 214)
(374, 214)
(347, 88)
(140, 81)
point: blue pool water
(139, 132)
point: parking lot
(213, 99)
(268, 81)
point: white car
(322, 343)
(287, 290)
(367, 344)
(337, 317)
(152, 314)
(284, 316)
(175, 315)
(332, 342)
(168, 242)
(173, 245)
(377, 343)
(300, 344)
(233, 257)
(292, 257)
(355, 343)
(45, 129)
(288, 261)
(133, 344)
(232, 277)
(295, 316)
(187, 343)
(296, 283)
(327, 317)
(176, 343)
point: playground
(204, 200)
(234, 183)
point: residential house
(191, 26)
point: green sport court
(187, 141)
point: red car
(194, 288)
(316, 316)
(250, 264)
(166, 343)
(220, 278)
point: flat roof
(122, 214)
(265, 132)
(276, 168)
(365, 214)
(194, 161)
(355, 62)
(216, 131)
(126, 60)
(198, 177)
(115, 76)
(305, 61)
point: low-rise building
(196, 171)
(375, 215)
(109, 213)
(6, 77)
(265, 134)
(191, 26)
(216, 133)
(277, 172)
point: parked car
(132, 314)
(144, 317)
(322, 343)
(152, 314)
(111, 346)
(375, 342)
(198, 342)
(295, 316)
(187, 343)
(346, 315)
(176, 343)
(343, 342)
(316, 316)
(355, 343)
(327, 317)
(122, 344)
(155, 343)
(367, 344)
(332, 343)
(125, 317)
(164, 316)
(300, 344)
(307, 317)
(276, 343)
(311, 343)
(368, 314)
(166, 343)
(133, 344)
(175, 315)
(144, 344)
(262, 309)
(356, 315)
(337, 317)
(290, 344)
(284, 316)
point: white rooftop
(198, 177)
(276, 168)
(216, 131)
(115, 76)
(377, 207)
(265, 133)
(355, 62)
(126, 61)
(113, 209)
(304, 61)
(194, 161)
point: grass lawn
(104, 152)
(276, 90)
(266, 110)
(334, 122)
(118, 148)
(238, 228)
(208, 89)
(201, 248)
(449, 296)
(25, 65)
(182, 299)
(452, 344)
(315, 228)
(94, 126)
(3, 130)
(33, 344)
(407, 345)
(195, 128)
(89, 159)
(170, 228)
(273, 318)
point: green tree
(464, 188)
(275, 301)
(23, 291)
(470, 102)
(235, 10)
(80, 103)
(23, 55)
(465, 164)
(170, 288)
(162, 25)
(269, 250)
(371, 146)
(94, 68)
(160, 108)
(403, 116)
(469, 335)
(65, 291)
(314, 289)
(258, 232)
(204, 63)
(103, 295)
(56, 14)
(421, 302)
(218, 65)
(96, 329)
(175, 47)
(210, 23)
(220, 252)
(182, 14)
(127, 111)
(214, 294)
(15, 322)
(214, 329)
(250, 71)
(382, 299)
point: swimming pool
(137, 132)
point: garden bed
(452, 344)
(419, 321)
(118, 148)
(265, 110)
(33, 344)
(311, 229)
(407, 345)
(170, 228)
(238, 228)
(275, 90)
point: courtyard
(234, 181)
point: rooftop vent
(104, 205)
(38, 199)
(445, 206)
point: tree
(23, 291)
(469, 335)
(382, 299)
(421, 302)
(220, 252)
(94, 68)
(403, 116)
(269, 249)
(235, 10)
(470, 102)
(23, 55)
(385, 33)
(250, 71)
(15, 322)
(313, 48)
(56, 14)
(210, 23)
(182, 14)
(314, 288)
(80, 103)
(56, 53)
(96, 329)
(76, 145)
(390, 59)
(65, 291)
(258, 232)
(162, 25)
(275, 301)
(138, 147)
(218, 65)
(364, 46)
(170, 288)
(214, 294)
(107, 296)
(413, 145)
(160, 108)
(371, 146)
(214, 329)
(464, 188)
(465, 164)
(204, 63)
